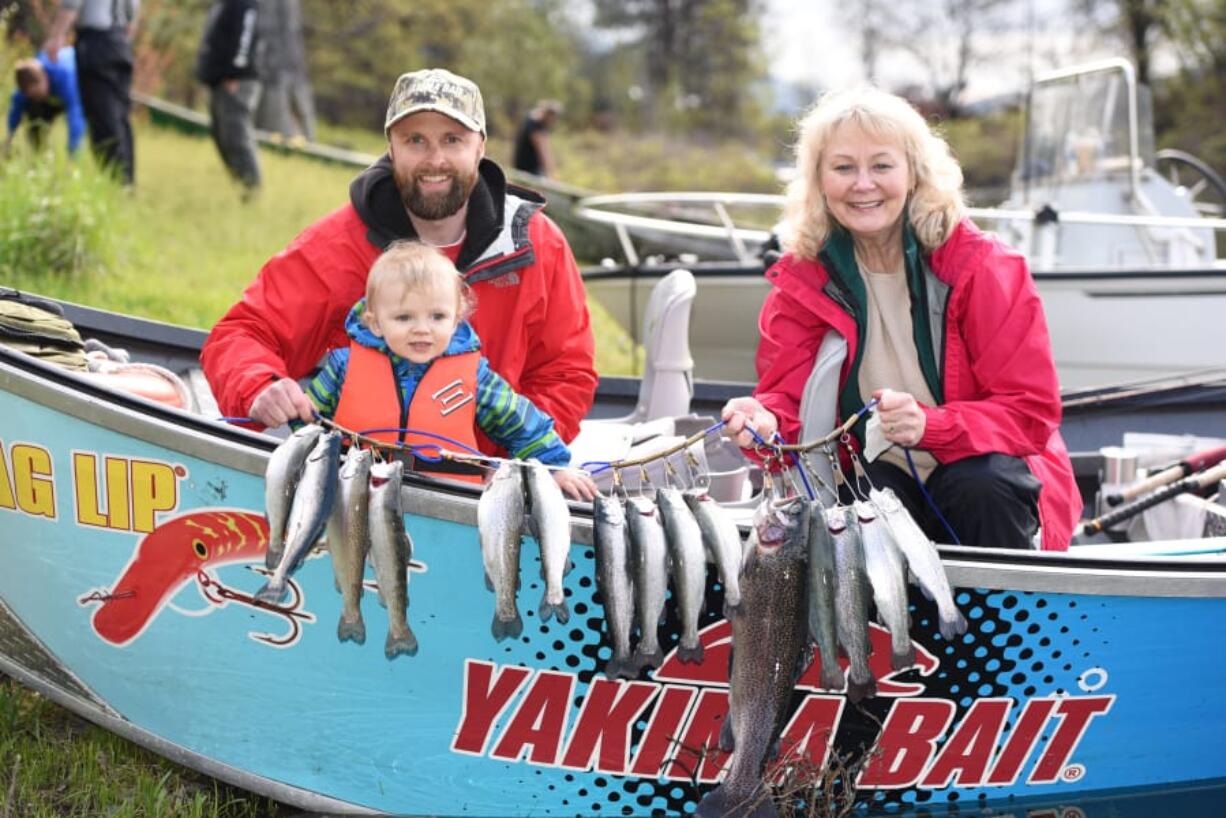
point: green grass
(183, 245)
(55, 764)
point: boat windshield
(1078, 126)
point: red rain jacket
(531, 309)
(1001, 390)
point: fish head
(638, 504)
(507, 470)
(608, 510)
(327, 447)
(695, 497)
(170, 556)
(381, 473)
(779, 522)
(357, 464)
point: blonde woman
(943, 324)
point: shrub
(55, 217)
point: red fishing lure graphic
(169, 557)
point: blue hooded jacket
(506, 417)
(62, 87)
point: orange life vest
(444, 403)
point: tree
(947, 38)
(701, 60)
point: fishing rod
(1195, 482)
(1190, 465)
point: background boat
(1082, 673)
(1122, 242)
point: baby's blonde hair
(411, 265)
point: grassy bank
(182, 246)
(55, 764)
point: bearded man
(434, 185)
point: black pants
(39, 118)
(230, 114)
(104, 76)
(988, 500)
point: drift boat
(134, 539)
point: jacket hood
(376, 199)
(463, 340)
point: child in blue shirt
(413, 361)
(45, 89)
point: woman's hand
(902, 419)
(576, 483)
(740, 415)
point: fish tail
(347, 631)
(861, 690)
(397, 644)
(720, 803)
(273, 591)
(832, 675)
(952, 625)
(549, 609)
(901, 661)
(507, 628)
(653, 659)
(617, 668)
(690, 655)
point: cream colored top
(890, 360)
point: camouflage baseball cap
(436, 89)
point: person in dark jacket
(227, 65)
(533, 153)
(104, 30)
(45, 89)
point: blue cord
(804, 478)
(928, 497)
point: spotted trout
(281, 477)
(922, 558)
(308, 515)
(615, 580)
(500, 523)
(769, 639)
(349, 541)
(851, 596)
(390, 551)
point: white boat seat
(667, 383)
(820, 399)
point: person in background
(104, 32)
(533, 153)
(45, 89)
(410, 344)
(227, 65)
(943, 324)
(287, 102)
(434, 185)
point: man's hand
(281, 401)
(576, 483)
(902, 419)
(740, 415)
(231, 85)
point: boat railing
(610, 210)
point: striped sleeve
(513, 422)
(325, 389)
